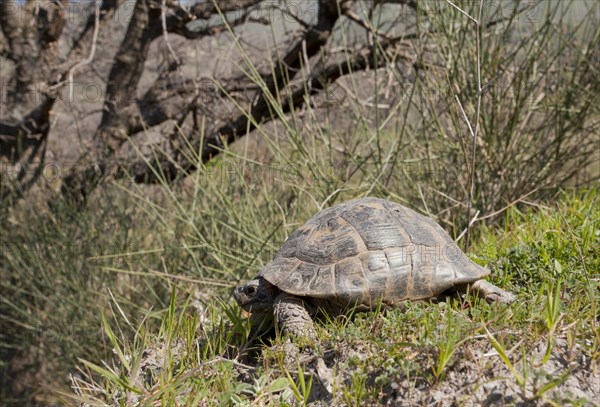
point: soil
(476, 376)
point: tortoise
(360, 254)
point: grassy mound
(545, 348)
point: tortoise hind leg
(489, 292)
(293, 318)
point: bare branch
(90, 57)
(163, 19)
(82, 43)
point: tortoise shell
(366, 250)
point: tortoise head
(256, 295)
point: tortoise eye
(251, 290)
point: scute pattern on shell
(369, 249)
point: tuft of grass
(300, 387)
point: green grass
(423, 346)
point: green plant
(448, 343)
(300, 387)
(356, 390)
(552, 312)
(502, 353)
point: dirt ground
(476, 376)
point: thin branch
(90, 57)
(462, 110)
(472, 131)
(477, 115)
(464, 12)
(107, 9)
(348, 12)
(163, 17)
(513, 203)
(466, 231)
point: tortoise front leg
(293, 318)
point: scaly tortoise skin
(359, 254)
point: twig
(537, 205)
(466, 231)
(477, 115)
(464, 115)
(334, 193)
(163, 16)
(476, 218)
(90, 57)
(457, 202)
(465, 13)
(423, 199)
(513, 203)
(307, 66)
